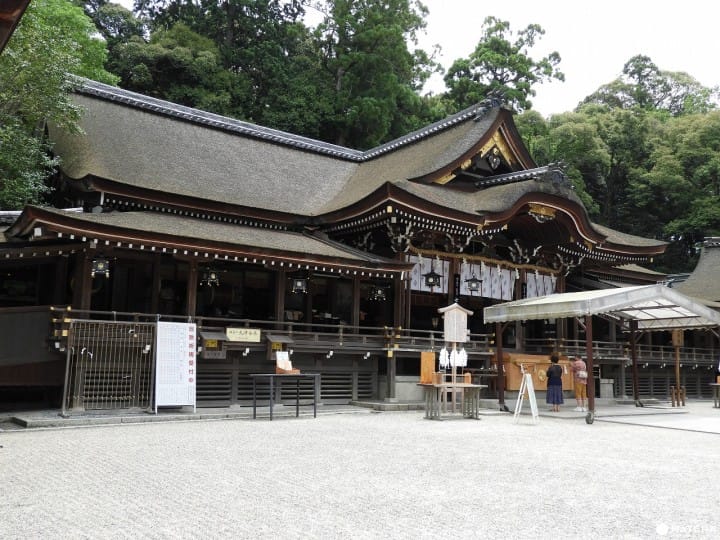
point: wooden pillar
(589, 356)
(407, 300)
(399, 304)
(156, 283)
(355, 315)
(59, 296)
(82, 282)
(633, 356)
(391, 366)
(192, 286)
(308, 303)
(280, 284)
(499, 327)
(453, 287)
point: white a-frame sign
(526, 386)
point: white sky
(594, 39)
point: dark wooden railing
(609, 351)
(314, 337)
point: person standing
(580, 377)
(554, 394)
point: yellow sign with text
(250, 335)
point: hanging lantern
(474, 284)
(100, 267)
(210, 278)
(432, 278)
(299, 285)
(377, 293)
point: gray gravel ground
(365, 475)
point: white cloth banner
(425, 265)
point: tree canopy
(501, 66)
(641, 150)
(53, 41)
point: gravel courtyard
(361, 475)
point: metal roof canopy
(653, 307)
(648, 308)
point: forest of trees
(643, 151)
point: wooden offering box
(536, 365)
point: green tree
(645, 86)
(53, 41)
(570, 139)
(180, 66)
(683, 177)
(259, 41)
(115, 23)
(372, 75)
(501, 66)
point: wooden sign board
(248, 335)
(455, 319)
(427, 367)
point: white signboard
(175, 364)
(528, 387)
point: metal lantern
(299, 285)
(100, 267)
(210, 278)
(432, 278)
(474, 284)
(377, 293)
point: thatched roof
(704, 281)
(148, 143)
(160, 232)
(144, 143)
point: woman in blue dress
(554, 395)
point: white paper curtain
(497, 283)
(423, 266)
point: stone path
(389, 475)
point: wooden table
(436, 404)
(279, 378)
(716, 394)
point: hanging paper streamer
(506, 285)
(549, 284)
(531, 285)
(444, 360)
(454, 358)
(462, 358)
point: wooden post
(280, 284)
(355, 317)
(677, 341)
(589, 354)
(155, 296)
(192, 285)
(499, 362)
(82, 282)
(633, 356)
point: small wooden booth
(536, 365)
(636, 309)
(439, 388)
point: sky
(594, 39)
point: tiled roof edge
(158, 106)
(552, 172)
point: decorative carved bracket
(400, 235)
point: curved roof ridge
(552, 172)
(167, 108)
